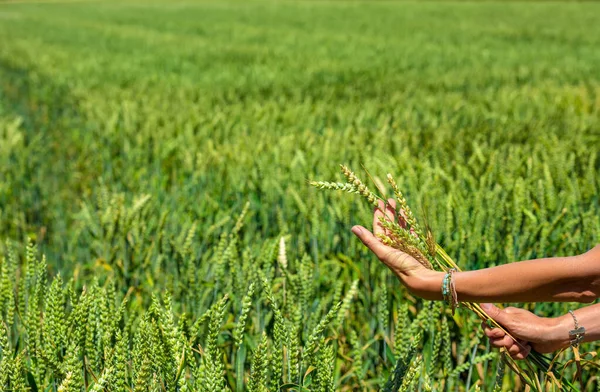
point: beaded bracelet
(449, 290)
(445, 287)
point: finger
(371, 242)
(498, 343)
(514, 350)
(390, 214)
(523, 353)
(491, 310)
(390, 210)
(523, 345)
(520, 355)
(508, 341)
(494, 333)
(402, 218)
(392, 203)
(512, 310)
(377, 215)
(496, 314)
(504, 341)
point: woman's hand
(544, 335)
(411, 273)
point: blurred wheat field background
(157, 230)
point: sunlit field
(157, 229)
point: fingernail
(486, 306)
(356, 230)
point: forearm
(566, 279)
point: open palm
(410, 272)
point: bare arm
(572, 279)
(558, 279)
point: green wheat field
(157, 228)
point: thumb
(370, 241)
(500, 316)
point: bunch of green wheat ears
(421, 245)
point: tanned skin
(553, 279)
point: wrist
(557, 330)
(427, 284)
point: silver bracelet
(576, 334)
